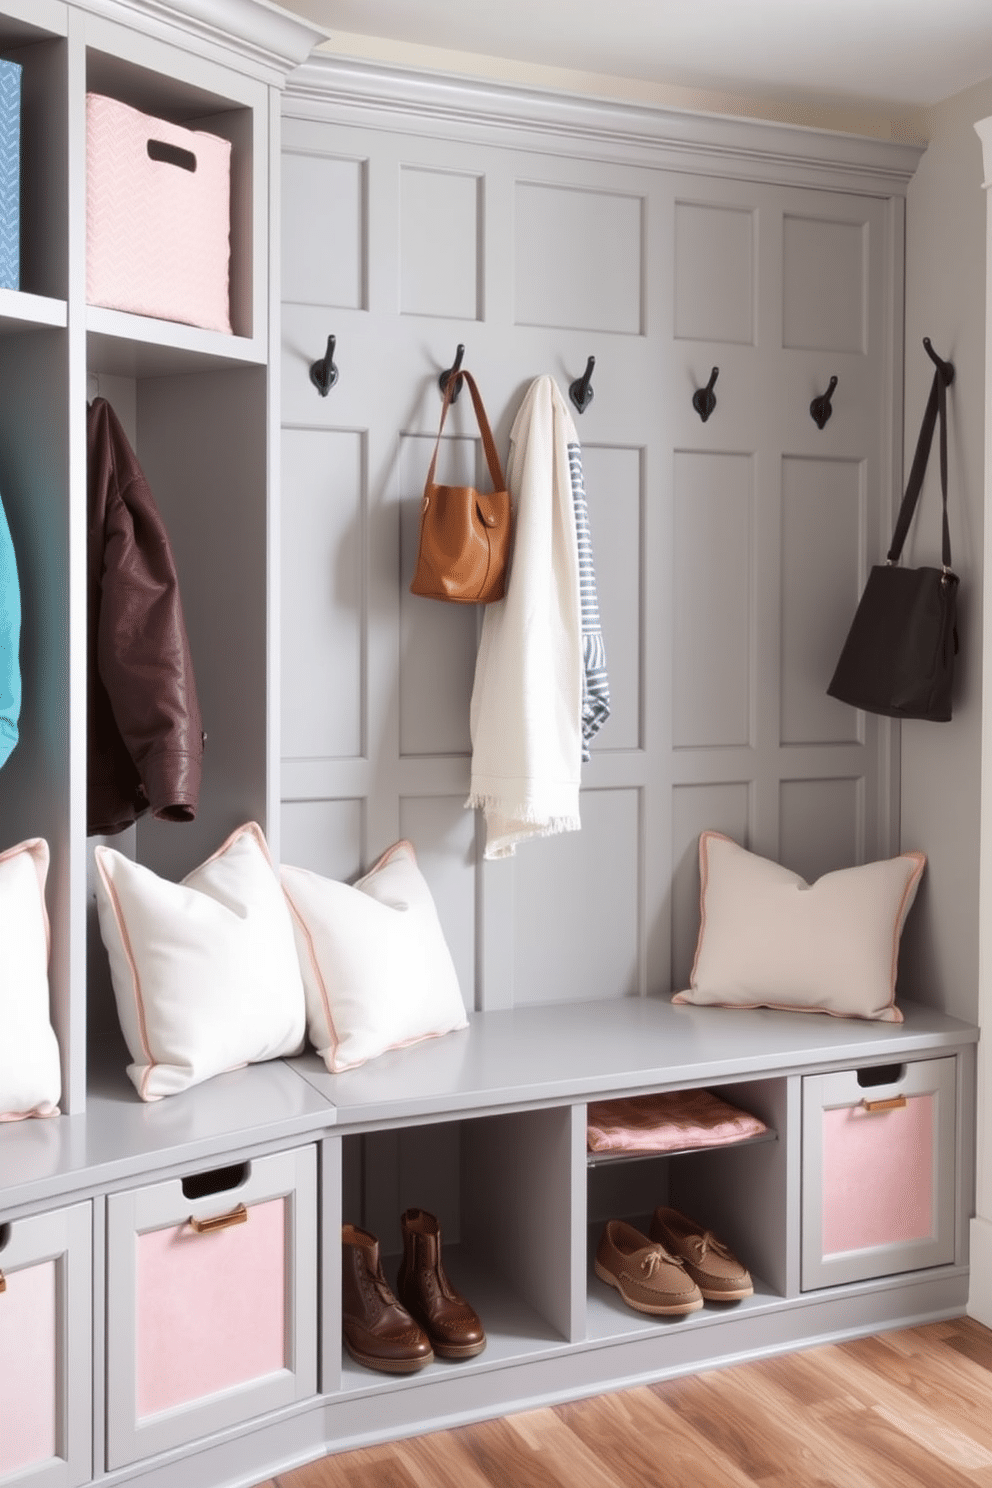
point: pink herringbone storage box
(158, 217)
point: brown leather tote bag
(464, 533)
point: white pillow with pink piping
(204, 971)
(767, 938)
(376, 967)
(30, 1072)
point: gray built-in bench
(488, 1128)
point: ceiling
(887, 55)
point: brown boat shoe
(711, 1264)
(647, 1277)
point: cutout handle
(171, 154)
(880, 1074)
(217, 1180)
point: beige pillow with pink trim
(376, 967)
(767, 938)
(30, 1073)
(205, 972)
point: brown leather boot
(377, 1331)
(452, 1326)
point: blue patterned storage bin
(10, 175)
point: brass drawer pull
(235, 1216)
(894, 1103)
(3, 1282)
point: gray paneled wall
(729, 553)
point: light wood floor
(908, 1409)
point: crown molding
(347, 91)
(270, 38)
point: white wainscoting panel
(712, 587)
(578, 256)
(825, 283)
(823, 544)
(577, 906)
(440, 222)
(614, 485)
(820, 825)
(438, 641)
(719, 807)
(715, 281)
(729, 554)
(324, 232)
(328, 837)
(443, 834)
(323, 586)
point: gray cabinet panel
(440, 240)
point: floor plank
(647, 1442)
(906, 1409)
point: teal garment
(10, 639)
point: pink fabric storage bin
(211, 1308)
(892, 1206)
(878, 1171)
(158, 217)
(29, 1368)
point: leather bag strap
(936, 409)
(488, 443)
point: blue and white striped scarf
(595, 683)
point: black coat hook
(704, 399)
(946, 368)
(820, 409)
(324, 374)
(581, 390)
(455, 367)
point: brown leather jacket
(144, 728)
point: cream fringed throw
(526, 714)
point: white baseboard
(980, 1295)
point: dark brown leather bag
(464, 533)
